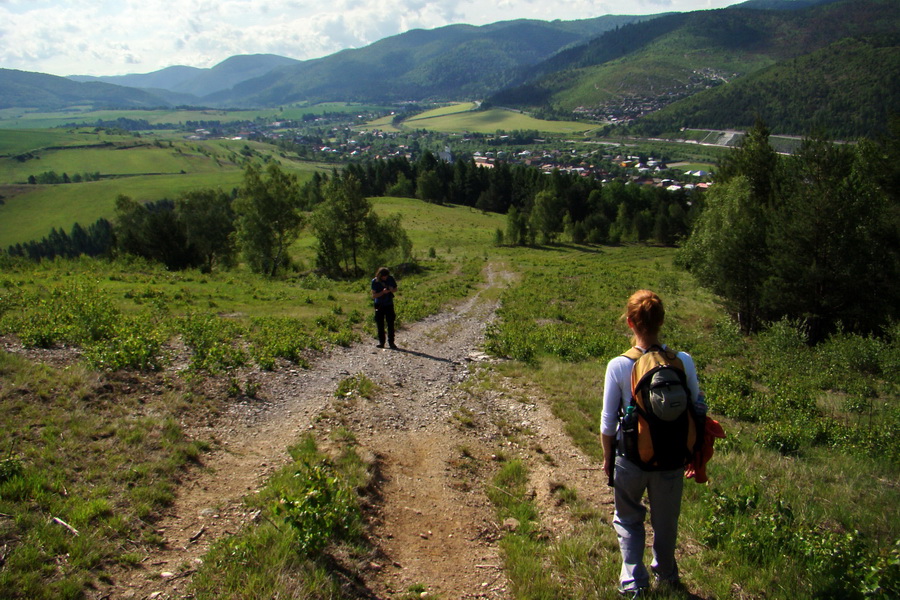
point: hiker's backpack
(662, 430)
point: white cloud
(127, 36)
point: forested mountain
(452, 62)
(801, 65)
(200, 82)
(642, 67)
(847, 90)
(48, 92)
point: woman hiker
(644, 314)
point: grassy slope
(791, 511)
(134, 167)
(575, 313)
(489, 121)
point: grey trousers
(664, 490)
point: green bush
(786, 437)
(136, 344)
(730, 392)
(323, 509)
(767, 531)
(274, 337)
(213, 342)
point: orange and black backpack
(660, 428)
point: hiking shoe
(379, 345)
(392, 345)
(640, 592)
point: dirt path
(432, 440)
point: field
(451, 109)
(24, 119)
(456, 120)
(145, 169)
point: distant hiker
(383, 289)
(647, 443)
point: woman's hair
(645, 309)
(382, 271)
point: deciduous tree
(351, 235)
(208, 221)
(268, 217)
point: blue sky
(115, 37)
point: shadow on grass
(566, 247)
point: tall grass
(87, 464)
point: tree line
(258, 222)
(94, 240)
(52, 177)
(540, 206)
(814, 237)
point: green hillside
(37, 90)
(452, 63)
(197, 83)
(798, 505)
(144, 170)
(490, 121)
(849, 89)
(643, 67)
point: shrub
(321, 510)
(730, 393)
(786, 437)
(134, 345)
(213, 342)
(273, 337)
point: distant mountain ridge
(37, 90)
(626, 67)
(199, 82)
(456, 61)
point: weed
(321, 510)
(523, 545)
(213, 342)
(357, 385)
(305, 508)
(465, 417)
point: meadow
(799, 503)
(145, 168)
(802, 492)
(460, 119)
(17, 118)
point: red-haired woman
(644, 314)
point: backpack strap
(633, 353)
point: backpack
(660, 428)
